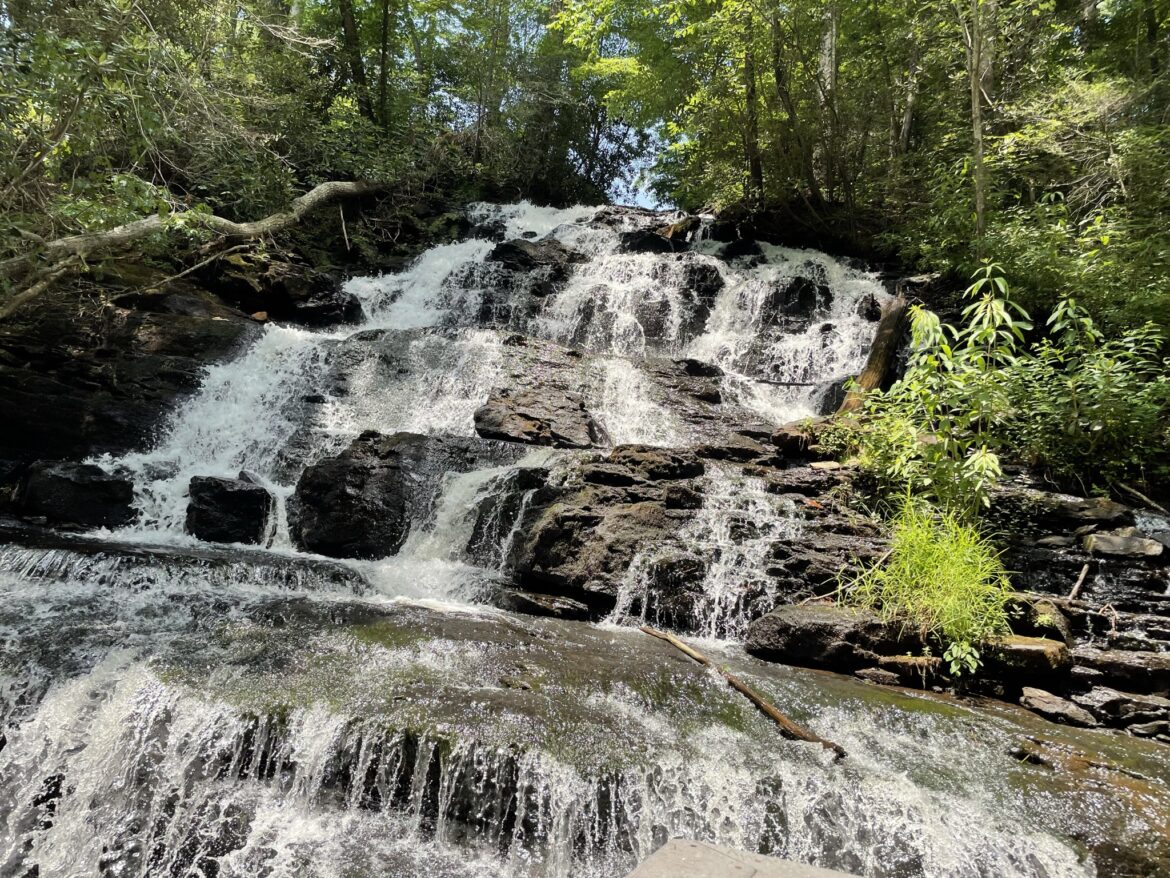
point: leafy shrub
(933, 430)
(1088, 409)
(942, 577)
(1079, 406)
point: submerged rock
(535, 418)
(229, 510)
(78, 494)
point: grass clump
(943, 577)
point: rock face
(536, 418)
(580, 535)
(286, 291)
(77, 494)
(360, 504)
(1126, 543)
(646, 241)
(551, 255)
(229, 510)
(798, 297)
(1054, 708)
(84, 377)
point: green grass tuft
(941, 576)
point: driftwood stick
(1157, 507)
(881, 353)
(1076, 589)
(788, 728)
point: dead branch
(1076, 589)
(65, 254)
(788, 728)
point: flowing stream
(176, 708)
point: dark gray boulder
(538, 418)
(229, 510)
(827, 636)
(77, 494)
(522, 255)
(797, 297)
(361, 503)
(646, 241)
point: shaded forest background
(1034, 133)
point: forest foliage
(1031, 131)
(1034, 132)
(111, 110)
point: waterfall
(174, 707)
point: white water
(437, 366)
(242, 713)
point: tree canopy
(1034, 132)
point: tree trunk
(800, 144)
(353, 55)
(975, 71)
(383, 65)
(880, 362)
(752, 118)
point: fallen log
(63, 254)
(788, 728)
(880, 362)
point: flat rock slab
(691, 859)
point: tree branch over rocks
(38, 269)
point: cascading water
(175, 708)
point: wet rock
(229, 510)
(361, 502)
(913, 670)
(744, 248)
(825, 636)
(794, 439)
(1141, 671)
(1027, 658)
(550, 254)
(286, 291)
(82, 377)
(735, 447)
(797, 297)
(582, 544)
(77, 494)
(528, 416)
(1150, 730)
(881, 676)
(655, 464)
(702, 279)
(869, 308)
(646, 241)
(542, 604)
(498, 508)
(1020, 509)
(1041, 617)
(1119, 708)
(1127, 542)
(1055, 708)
